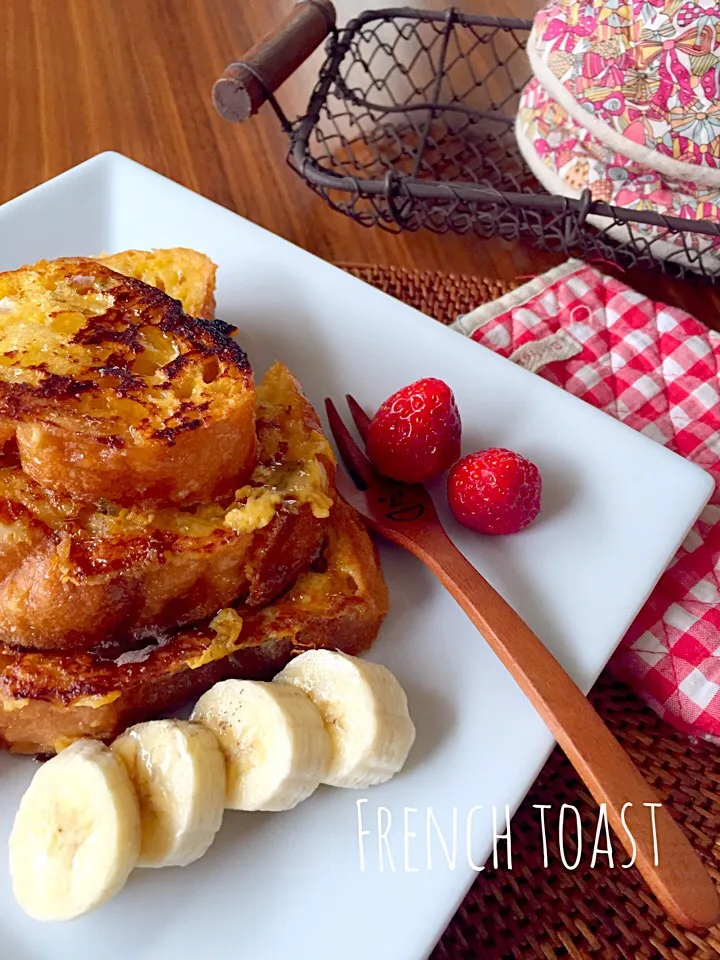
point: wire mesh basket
(410, 126)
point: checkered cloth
(655, 368)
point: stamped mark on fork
(400, 511)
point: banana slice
(275, 745)
(178, 771)
(76, 835)
(365, 712)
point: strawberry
(415, 434)
(494, 491)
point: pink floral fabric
(578, 160)
(649, 69)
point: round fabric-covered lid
(643, 77)
(567, 159)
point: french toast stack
(165, 521)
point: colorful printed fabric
(657, 369)
(643, 76)
(567, 159)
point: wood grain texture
(81, 76)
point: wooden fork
(406, 515)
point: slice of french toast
(73, 576)
(116, 393)
(184, 274)
(49, 700)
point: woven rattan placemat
(536, 913)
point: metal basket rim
(412, 188)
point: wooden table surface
(81, 76)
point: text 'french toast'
(73, 576)
(49, 700)
(116, 394)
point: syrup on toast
(49, 700)
(186, 275)
(73, 576)
(117, 394)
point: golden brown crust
(179, 470)
(48, 700)
(184, 274)
(118, 394)
(72, 577)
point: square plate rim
(111, 157)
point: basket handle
(246, 84)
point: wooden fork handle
(664, 856)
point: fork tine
(362, 420)
(348, 491)
(356, 463)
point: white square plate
(616, 507)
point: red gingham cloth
(655, 368)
